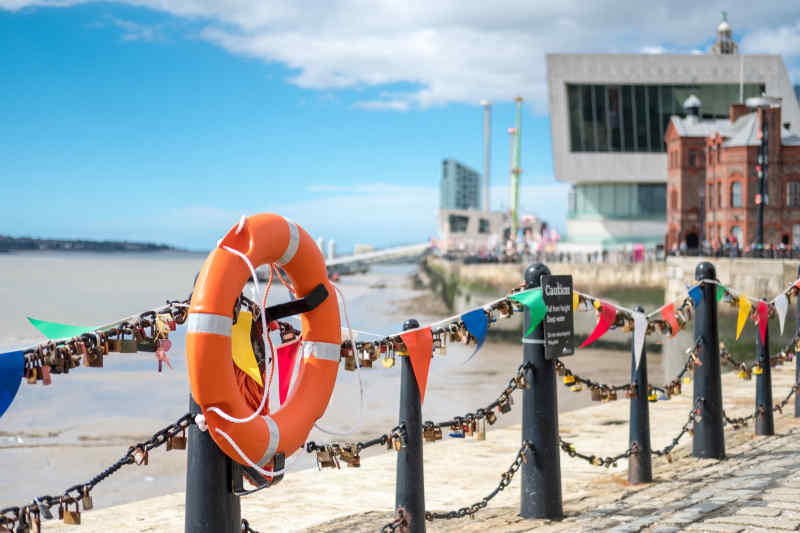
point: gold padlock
(612, 395)
(597, 394)
(757, 370)
(491, 417)
(687, 380)
(115, 343)
(128, 343)
(72, 517)
(569, 379)
(86, 500)
(350, 363)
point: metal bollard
(640, 465)
(764, 421)
(410, 488)
(211, 506)
(797, 359)
(709, 437)
(541, 475)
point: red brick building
(712, 180)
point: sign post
(559, 331)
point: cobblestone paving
(756, 488)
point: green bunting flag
(54, 330)
(533, 300)
(720, 292)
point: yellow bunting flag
(242, 348)
(575, 301)
(744, 312)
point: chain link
(246, 527)
(136, 454)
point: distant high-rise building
(460, 187)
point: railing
(214, 482)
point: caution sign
(559, 330)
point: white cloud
(134, 31)
(460, 50)
(784, 40)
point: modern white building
(608, 116)
(460, 187)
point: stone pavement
(756, 488)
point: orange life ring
(264, 239)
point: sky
(166, 120)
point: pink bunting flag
(608, 315)
(419, 344)
(286, 355)
(763, 318)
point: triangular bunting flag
(286, 355)
(696, 293)
(639, 332)
(668, 312)
(781, 306)
(720, 292)
(533, 300)
(12, 368)
(242, 347)
(54, 330)
(477, 324)
(419, 344)
(744, 312)
(608, 315)
(762, 310)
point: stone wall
(759, 278)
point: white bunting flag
(781, 306)
(639, 331)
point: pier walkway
(757, 488)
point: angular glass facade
(619, 200)
(634, 118)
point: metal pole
(541, 475)
(211, 506)
(640, 466)
(487, 150)
(797, 359)
(410, 488)
(709, 438)
(765, 424)
(763, 157)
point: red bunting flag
(286, 355)
(608, 315)
(419, 344)
(668, 312)
(763, 318)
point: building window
(634, 118)
(458, 223)
(692, 158)
(483, 225)
(736, 194)
(673, 199)
(793, 194)
(796, 235)
(719, 195)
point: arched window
(736, 194)
(736, 231)
(673, 199)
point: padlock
(597, 394)
(86, 500)
(398, 444)
(468, 429)
(632, 392)
(140, 456)
(326, 458)
(177, 442)
(72, 517)
(432, 433)
(389, 443)
(35, 521)
(676, 388)
(388, 360)
(576, 388)
(147, 344)
(569, 379)
(652, 397)
(365, 361)
(503, 405)
(33, 375)
(114, 344)
(350, 455)
(350, 363)
(560, 370)
(480, 434)
(128, 343)
(757, 370)
(612, 395)
(491, 417)
(687, 380)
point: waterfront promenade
(756, 487)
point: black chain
(594, 460)
(693, 417)
(505, 481)
(738, 423)
(135, 454)
(328, 454)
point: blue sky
(165, 122)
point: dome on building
(724, 27)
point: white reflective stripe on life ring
(322, 350)
(209, 323)
(291, 248)
(274, 438)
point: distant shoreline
(30, 244)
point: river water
(57, 436)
